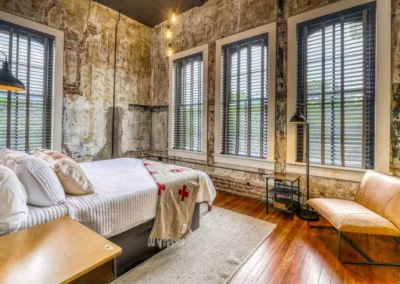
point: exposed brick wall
(245, 189)
(204, 25)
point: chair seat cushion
(349, 216)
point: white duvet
(125, 196)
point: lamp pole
(307, 126)
(299, 118)
(307, 214)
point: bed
(122, 208)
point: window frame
(58, 90)
(267, 163)
(186, 153)
(383, 88)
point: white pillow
(41, 183)
(13, 198)
(3, 152)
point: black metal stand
(307, 214)
(354, 246)
(280, 188)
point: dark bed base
(134, 243)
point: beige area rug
(211, 254)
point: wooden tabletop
(291, 177)
(55, 252)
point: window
(188, 108)
(336, 88)
(244, 97)
(26, 118)
(188, 103)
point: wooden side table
(282, 193)
(60, 251)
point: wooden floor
(294, 253)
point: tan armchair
(375, 210)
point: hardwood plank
(296, 264)
(297, 244)
(294, 253)
(271, 251)
(243, 273)
(278, 258)
(310, 258)
(329, 259)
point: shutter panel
(245, 98)
(25, 120)
(188, 103)
(336, 88)
(4, 109)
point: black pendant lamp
(298, 118)
(7, 81)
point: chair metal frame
(341, 236)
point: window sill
(334, 172)
(188, 154)
(244, 161)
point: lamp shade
(298, 118)
(8, 81)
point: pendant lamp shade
(298, 118)
(8, 82)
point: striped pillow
(70, 174)
(41, 183)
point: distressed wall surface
(142, 80)
(89, 73)
(395, 127)
(221, 18)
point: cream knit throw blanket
(177, 193)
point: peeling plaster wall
(89, 73)
(221, 18)
(142, 80)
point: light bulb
(173, 18)
(169, 51)
(169, 33)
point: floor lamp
(299, 118)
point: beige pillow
(70, 174)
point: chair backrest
(380, 193)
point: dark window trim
(326, 18)
(368, 146)
(224, 98)
(48, 41)
(26, 30)
(199, 148)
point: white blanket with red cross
(178, 190)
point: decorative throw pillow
(13, 199)
(41, 183)
(9, 157)
(70, 174)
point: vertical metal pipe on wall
(115, 74)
